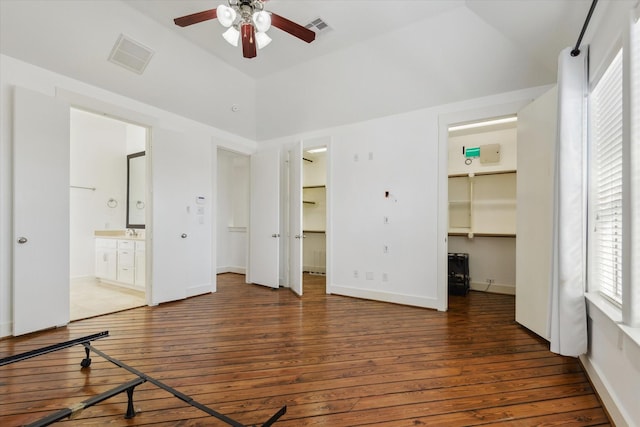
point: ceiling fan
(249, 20)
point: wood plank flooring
(334, 361)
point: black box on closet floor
(459, 273)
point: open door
(534, 224)
(181, 216)
(40, 212)
(295, 218)
(264, 219)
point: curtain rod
(576, 50)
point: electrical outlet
(385, 277)
(385, 249)
(355, 274)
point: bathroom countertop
(117, 234)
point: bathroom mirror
(136, 190)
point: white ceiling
(350, 22)
(380, 57)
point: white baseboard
(384, 296)
(496, 288)
(609, 402)
(228, 269)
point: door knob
(22, 240)
(183, 235)
(275, 235)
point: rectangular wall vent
(130, 54)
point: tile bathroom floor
(91, 298)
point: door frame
(93, 105)
(325, 141)
(148, 198)
(444, 121)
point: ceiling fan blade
(249, 41)
(292, 28)
(194, 18)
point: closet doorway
(482, 176)
(314, 219)
(232, 212)
(501, 209)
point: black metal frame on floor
(128, 386)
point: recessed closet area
(232, 212)
(482, 168)
(314, 211)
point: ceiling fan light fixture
(262, 21)
(226, 15)
(232, 36)
(247, 20)
(262, 40)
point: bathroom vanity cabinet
(121, 261)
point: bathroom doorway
(107, 214)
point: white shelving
(483, 204)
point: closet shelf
(458, 175)
(465, 234)
(314, 186)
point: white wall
(507, 139)
(17, 73)
(399, 155)
(98, 160)
(232, 211)
(405, 155)
(490, 258)
(387, 75)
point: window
(607, 181)
(614, 173)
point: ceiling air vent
(130, 54)
(318, 26)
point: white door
(264, 219)
(181, 222)
(534, 222)
(296, 235)
(40, 212)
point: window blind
(635, 170)
(606, 120)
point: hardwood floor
(334, 361)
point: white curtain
(568, 313)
